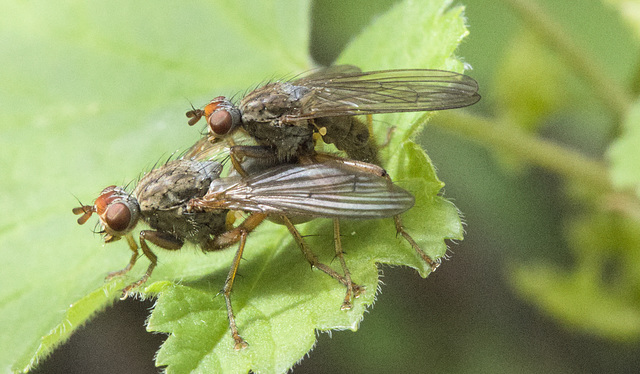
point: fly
(186, 200)
(283, 116)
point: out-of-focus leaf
(630, 12)
(530, 84)
(598, 293)
(624, 153)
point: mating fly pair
(187, 200)
(170, 198)
(285, 118)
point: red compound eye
(118, 217)
(220, 122)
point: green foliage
(547, 76)
(625, 153)
(119, 76)
(94, 95)
(531, 84)
(599, 293)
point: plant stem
(611, 94)
(540, 152)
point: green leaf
(97, 95)
(279, 300)
(624, 153)
(629, 11)
(400, 41)
(530, 83)
(598, 293)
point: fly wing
(345, 91)
(329, 190)
(206, 149)
(327, 72)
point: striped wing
(329, 190)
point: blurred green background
(468, 316)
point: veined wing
(211, 148)
(340, 92)
(329, 190)
(206, 149)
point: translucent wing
(342, 90)
(211, 148)
(330, 190)
(206, 149)
(327, 72)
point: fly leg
(313, 260)
(86, 211)
(238, 152)
(346, 305)
(134, 248)
(162, 240)
(387, 139)
(224, 240)
(425, 257)
(226, 291)
(360, 165)
(377, 170)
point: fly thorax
(272, 102)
